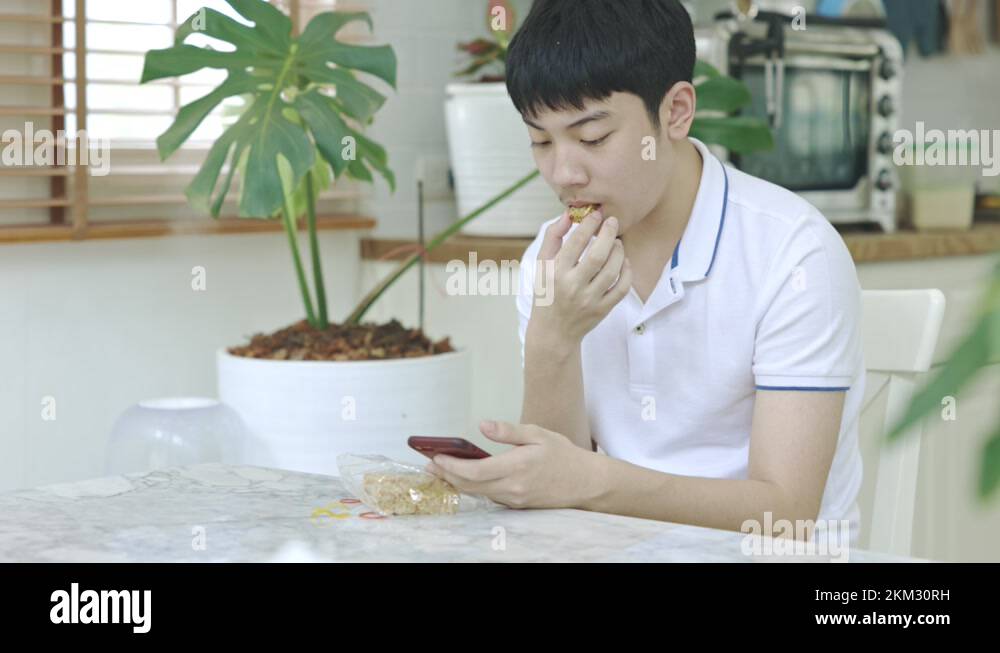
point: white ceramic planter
(300, 412)
(489, 149)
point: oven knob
(884, 180)
(884, 143)
(885, 108)
(887, 70)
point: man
(705, 335)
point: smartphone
(457, 447)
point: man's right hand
(585, 289)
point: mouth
(580, 210)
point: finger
(553, 239)
(507, 433)
(479, 471)
(612, 269)
(618, 292)
(466, 486)
(597, 255)
(573, 247)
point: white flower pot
(489, 149)
(303, 414)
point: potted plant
(315, 388)
(486, 138)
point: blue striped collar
(708, 216)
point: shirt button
(641, 329)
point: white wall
(100, 325)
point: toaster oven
(831, 91)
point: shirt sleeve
(809, 313)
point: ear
(677, 111)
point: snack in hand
(578, 213)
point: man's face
(608, 154)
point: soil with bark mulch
(342, 342)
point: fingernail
(488, 426)
(613, 223)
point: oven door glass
(822, 140)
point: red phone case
(457, 447)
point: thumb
(507, 433)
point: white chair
(900, 331)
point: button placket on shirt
(641, 343)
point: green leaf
(970, 355)
(737, 134)
(199, 191)
(358, 171)
(324, 27)
(378, 60)
(183, 59)
(275, 26)
(723, 94)
(989, 471)
(704, 69)
(374, 154)
(319, 46)
(272, 134)
(276, 72)
(327, 127)
(219, 26)
(475, 66)
(359, 100)
(192, 114)
(220, 196)
(329, 130)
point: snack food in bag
(394, 488)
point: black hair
(569, 51)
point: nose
(566, 169)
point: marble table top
(232, 513)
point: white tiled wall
(411, 124)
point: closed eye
(597, 142)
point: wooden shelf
(456, 247)
(983, 238)
(157, 228)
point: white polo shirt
(760, 294)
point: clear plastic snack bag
(393, 488)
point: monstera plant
(305, 109)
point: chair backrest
(900, 330)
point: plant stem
(299, 272)
(314, 253)
(371, 297)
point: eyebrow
(598, 115)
